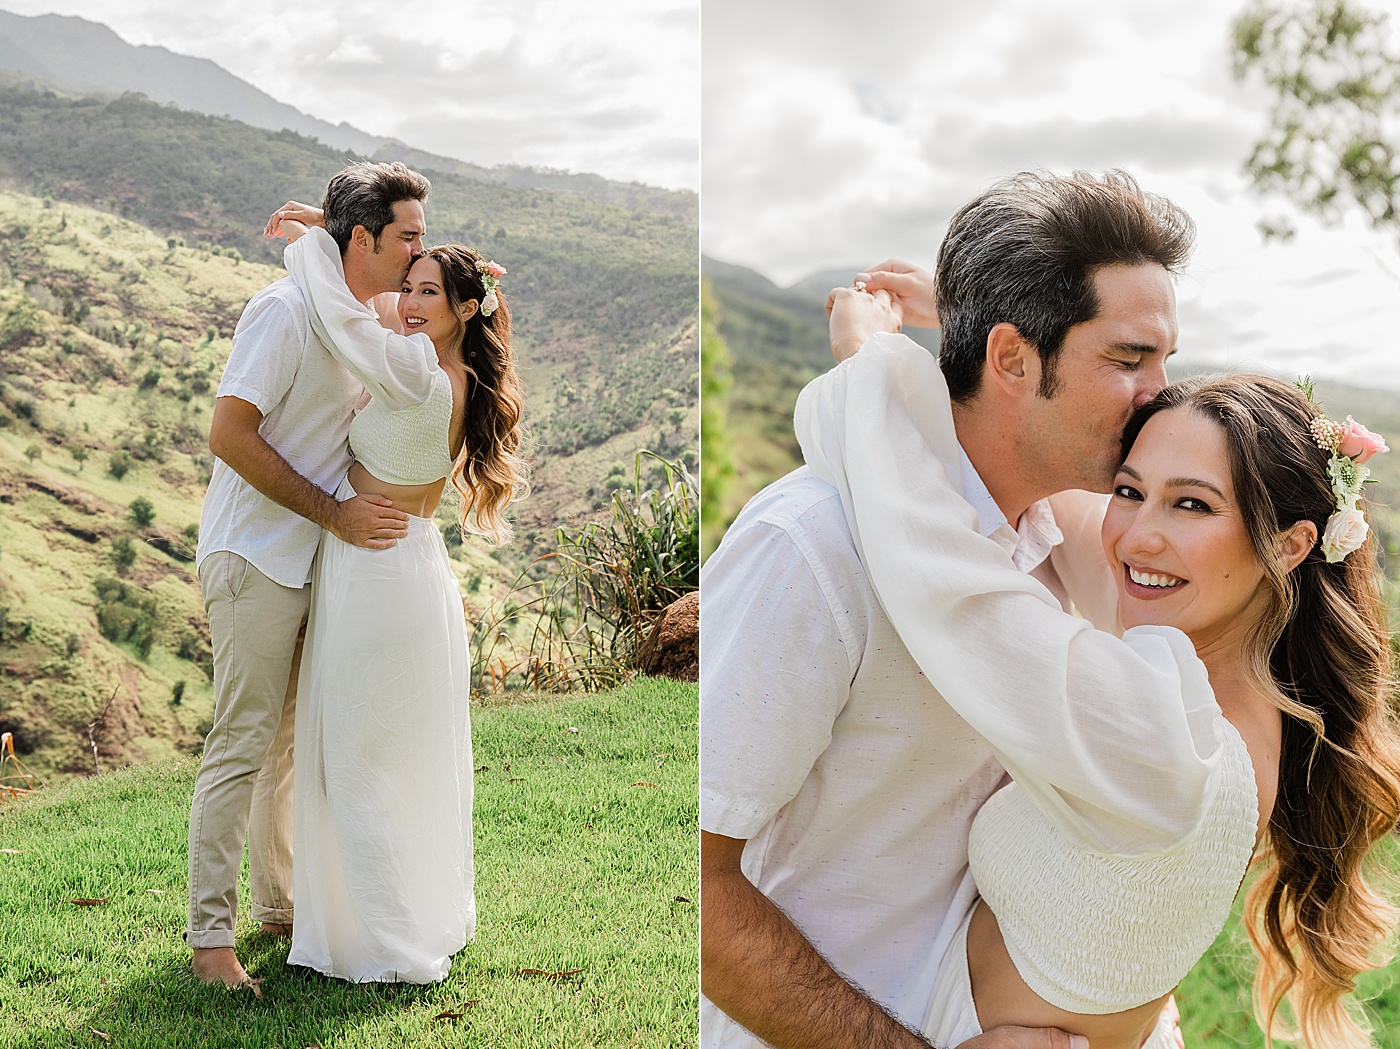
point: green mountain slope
(113, 333)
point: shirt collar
(1031, 541)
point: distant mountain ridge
(79, 55)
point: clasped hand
(890, 295)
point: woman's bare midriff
(1002, 997)
(420, 500)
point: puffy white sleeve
(1115, 740)
(395, 369)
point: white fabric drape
(1114, 739)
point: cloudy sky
(838, 134)
(611, 86)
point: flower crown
(1351, 445)
(490, 274)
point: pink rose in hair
(494, 268)
(1359, 443)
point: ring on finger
(859, 285)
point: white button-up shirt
(307, 400)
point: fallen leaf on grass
(85, 901)
(644, 783)
(682, 899)
(103, 981)
(101, 1034)
(459, 1012)
(156, 892)
(11, 852)
(573, 729)
(516, 779)
(549, 975)
(484, 768)
(254, 984)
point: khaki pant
(244, 788)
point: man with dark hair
(839, 777)
(367, 195)
(280, 433)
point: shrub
(33, 452)
(611, 581)
(71, 645)
(193, 648)
(119, 463)
(143, 512)
(123, 554)
(126, 613)
(177, 693)
(151, 379)
(189, 541)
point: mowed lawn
(586, 891)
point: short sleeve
(267, 349)
(776, 663)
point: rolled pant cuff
(272, 915)
(206, 938)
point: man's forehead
(409, 213)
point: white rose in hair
(1346, 530)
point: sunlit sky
(610, 87)
(837, 135)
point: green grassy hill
(603, 278)
(113, 333)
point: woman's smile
(1149, 584)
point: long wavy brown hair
(1315, 913)
(489, 471)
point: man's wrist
(331, 519)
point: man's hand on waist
(369, 521)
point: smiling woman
(1214, 527)
(1173, 519)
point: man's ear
(361, 238)
(1012, 362)
(1294, 544)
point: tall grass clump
(580, 627)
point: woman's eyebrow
(1174, 482)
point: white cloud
(837, 136)
(610, 87)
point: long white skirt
(382, 851)
(952, 1016)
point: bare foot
(218, 965)
(273, 929)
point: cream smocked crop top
(410, 445)
(1097, 933)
